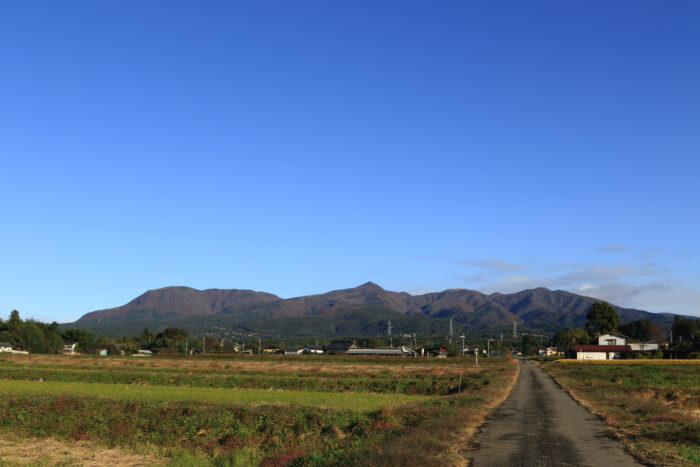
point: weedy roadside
(651, 407)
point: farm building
(341, 346)
(600, 352)
(303, 350)
(385, 352)
(70, 348)
(550, 351)
(5, 347)
(438, 351)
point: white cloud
(643, 285)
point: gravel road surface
(539, 424)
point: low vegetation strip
(408, 384)
(652, 407)
(342, 401)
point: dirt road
(541, 425)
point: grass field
(248, 397)
(245, 410)
(653, 406)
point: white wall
(591, 355)
(649, 347)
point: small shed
(5, 347)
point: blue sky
(299, 147)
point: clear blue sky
(299, 147)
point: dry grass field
(652, 406)
(244, 410)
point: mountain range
(363, 310)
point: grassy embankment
(252, 411)
(652, 406)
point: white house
(600, 352)
(5, 347)
(70, 349)
(612, 338)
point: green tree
(54, 343)
(31, 338)
(685, 329)
(146, 337)
(229, 345)
(602, 318)
(86, 341)
(212, 345)
(175, 334)
(640, 329)
(14, 324)
(530, 344)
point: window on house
(610, 341)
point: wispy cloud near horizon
(634, 284)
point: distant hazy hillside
(360, 310)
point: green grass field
(248, 397)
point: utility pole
(451, 330)
(462, 336)
(186, 342)
(515, 330)
(388, 330)
(259, 346)
(204, 344)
